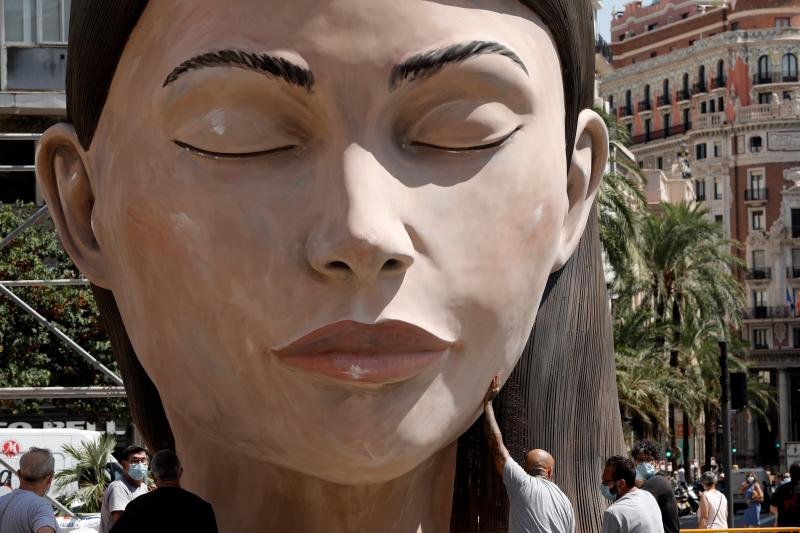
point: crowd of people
(641, 497)
(129, 504)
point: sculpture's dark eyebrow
(428, 63)
(264, 63)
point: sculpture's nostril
(392, 264)
(337, 265)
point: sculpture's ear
(65, 183)
(583, 179)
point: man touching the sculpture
(536, 504)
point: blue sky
(604, 18)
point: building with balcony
(713, 86)
(33, 59)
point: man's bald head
(539, 463)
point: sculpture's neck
(251, 496)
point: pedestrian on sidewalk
(649, 477)
(25, 510)
(754, 495)
(713, 511)
(536, 504)
(634, 510)
(169, 507)
(123, 491)
(786, 500)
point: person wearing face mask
(177, 509)
(25, 510)
(646, 456)
(634, 510)
(754, 495)
(121, 492)
(786, 500)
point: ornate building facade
(709, 92)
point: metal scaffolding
(20, 393)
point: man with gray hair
(176, 509)
(25, 510)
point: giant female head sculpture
(318, 228)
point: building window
(718, 219)
(796, 338)
(789, 67)
(651, 27)
(700, 190)
(660, 163)
(795, 219)
(687, 119)
(630, 129)
(760, 339)
(734, 26)
(717, 149)
(712, 106)
(763, 69)
(795, 262)
(721, 103)
(764, 98)
(757, 220)
(717, 190)
(703, 107)
(700, 151)
(647, 129)
(783, 22)
(29, 22)
(755, 143)
(667, 122)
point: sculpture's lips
(385, 352)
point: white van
(16, 441)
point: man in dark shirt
(646, 456)
(786, 500)
(169, 508)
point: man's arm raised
(499, 452)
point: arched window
(789, 67)
(763, 69)
(665, 96)
(628, 103)
(611, 103)
(701, 78)
(720, 81)
(646, 105)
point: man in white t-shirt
(634, 510)
(121, 492)
(536, 504)
(25, 510)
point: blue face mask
(607, 494)
(645, 471)
(138, 471)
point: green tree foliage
(675, 295)
(89, 473)
(30, 355)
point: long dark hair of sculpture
(562, 395)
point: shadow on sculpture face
(327, 231)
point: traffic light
(738, 390)
(733, 450)
(668, 454)
(777, 445)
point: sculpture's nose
(359, 235)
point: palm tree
(619, 200)
(89, 472)
(685, 277)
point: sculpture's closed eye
(464, 126)
(232, 155)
